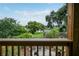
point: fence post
(70, 47)
(0, 50)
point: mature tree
(9, 28)
(6, 26)
(59, 17)
(18, 30)
(34, 26)
(51, 19)
(62, 18)
(48, 19)
(62, 15)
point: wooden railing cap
(35, 39)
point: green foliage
(34, 26)
(48, 19)
(53, 33)
(6, 26)
(9, 28)
(29, 35)
(19, 30)
(24, 35)
(62, 15)
(38, 35)
(59, 17)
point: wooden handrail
(33, 42)
(36, 42)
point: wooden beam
(76, 30)
(70, 21)
(0, 50)
(73, 26)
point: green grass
(24, 35)
(30, 35)
(37, 35)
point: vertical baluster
(31, 51)
(56, 50)
(12, 50)
(6, 52)
(24, 50)
(18, 50)
(0, 50)
(70, 47)
(43, 50)
(62, 50)
(49, 50)
(37, 51)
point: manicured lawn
(30, 35)
(38, 35)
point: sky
(25, 12)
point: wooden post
(73, 26)
(76, 30)
(70, 21)
(0, 50)
(70, 47)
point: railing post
(0, 50)
(70, 30)
(70, 47)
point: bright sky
(26, 12)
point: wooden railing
(43, 46)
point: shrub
(25, 35)
(38, 35)
(53, 33)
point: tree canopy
(9, 28)
(34, 26)
(59, 17)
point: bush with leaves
(34, 26)
(53, 33)
(24, 35)
(9, 28)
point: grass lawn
(30, 35)
(38, 35)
